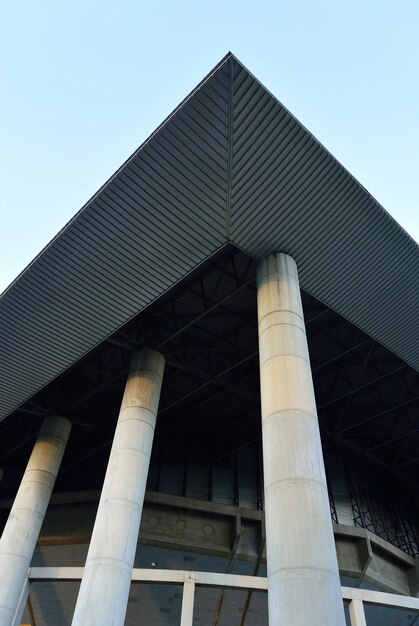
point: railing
(189, 580)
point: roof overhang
(230, 164)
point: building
(231, 201)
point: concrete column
(105, 586)
(25, 520)
(303, 578)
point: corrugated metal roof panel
(159, 217)
(289, 194)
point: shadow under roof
(230, 164)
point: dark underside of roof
(206, 327)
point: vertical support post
(105, 586)
(22, 529)
(356, 613)
(17, 619)
(303, 577)
(188, 600)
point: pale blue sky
(84, 82)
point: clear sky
(84, 82)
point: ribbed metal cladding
(289, 194)
(231, 163)
(158, 217)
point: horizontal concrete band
(38, 513)
(14, 557)
(127, 452)
(123, 502)
(285, 574)
(288, 413)
(361, 554)
(138, 416)
(34, 475)
(283, 483)
(281, 318)
(283, 355)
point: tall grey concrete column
(303, 578)
(21, 532)
(105, 586)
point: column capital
(147, 359)
(275, 264)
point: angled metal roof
(230, 164)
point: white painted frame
(189, 580)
